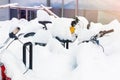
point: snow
(85, 61)
(41, 17)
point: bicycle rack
(30, 49)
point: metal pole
(62, 12)
(18, 13)
(76, 8)
(26, 10)
(48, 3)
(9, 1)
(9, 8)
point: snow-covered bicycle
(94, 39)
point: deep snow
(85, 61)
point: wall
(106, 16)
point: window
(21, 13)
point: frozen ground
(85, 61)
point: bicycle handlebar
(102, 33)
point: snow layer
(85, 61)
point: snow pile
(60, 28)
(17, 69)
(53, 62)
(42, 36)
(94, 64)
(43, 16)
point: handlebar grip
(109, 31)
(102, 33)
(16, 30)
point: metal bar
(76, 8)
(8, 5)
(62, 12)
(30, 53)
(26, 14)
(29, 8)
(48, 11)
(48, 2)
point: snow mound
(42, 15)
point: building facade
(93, 10)
(4, 12)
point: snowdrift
(84, 61)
